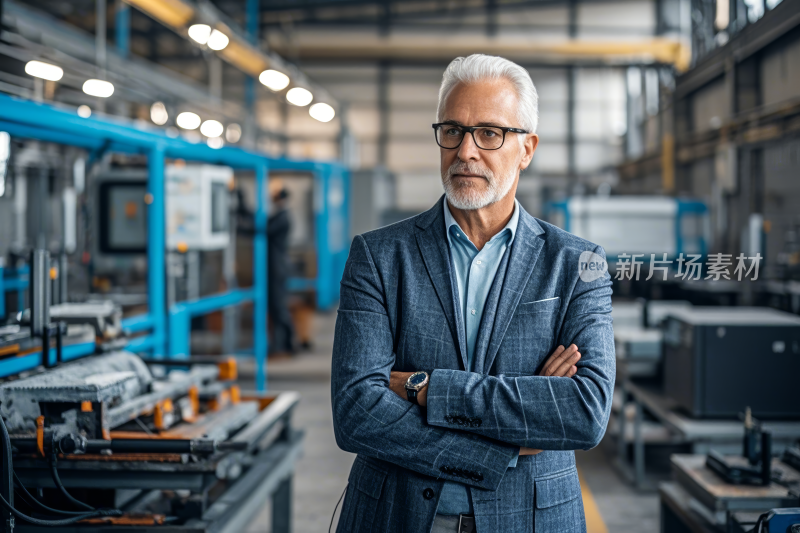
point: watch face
(417, 379)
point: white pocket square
(545, 300)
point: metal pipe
(156, 254)
(39, 287)
(260, 278)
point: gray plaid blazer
(398, 312)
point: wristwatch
(414, 384)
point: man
(278, 227)
(442, 383)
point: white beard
(468, 197)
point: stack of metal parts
(173, 444)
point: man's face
(474, 178)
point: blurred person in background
(279, 226)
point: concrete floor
(321, 475)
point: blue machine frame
(684, 207)
(169, 329)
(331, 229)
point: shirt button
(427, 494)
(479, 262)
(473, 311)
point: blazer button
(427, 494)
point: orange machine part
(40, 435)
(86, 407)
(128, 520)
(236, 394)
(220, 401)
(162, 408)
(194, 398)
(227, 369)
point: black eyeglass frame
(470, 130)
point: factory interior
(182, 183)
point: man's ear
(529, 147)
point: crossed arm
(538, 412)
(560, 364)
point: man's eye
(489, 133)
(452, 131)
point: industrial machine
(114, 440)
(638, 335)
(718, 361)
(172, 445)
(635, 224)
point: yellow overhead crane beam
(177, 14)
(407, 47)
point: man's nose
(468, 149)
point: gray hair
(482, 67)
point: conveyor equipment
(163, 445)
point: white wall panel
(363, 121)
(551, 84)
(552, 122)
(550, 157)
(412, 124)
(414, 93)
(418, 191)
(405, 156)
(638, 17)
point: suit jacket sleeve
(547, 413)
(370, 419)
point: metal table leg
(282, 507)
(622, 449)
(638, 446)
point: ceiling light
(200, 33)
(188, 121)
(84, 111)
(215, 142)
(158, 113)
(45, 71)
(274, 80)
(217, 40)
(99, 88)
(212, 128)
(233, 133)
(322, 112)
(299, 96)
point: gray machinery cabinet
(720, 360)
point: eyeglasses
(451, 136)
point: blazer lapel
(432, 243)
(521, 263)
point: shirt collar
(511, 227)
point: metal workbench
(699, 501)
(702, 435)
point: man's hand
(560, 364)
(397, 382)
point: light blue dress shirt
(475, 271)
